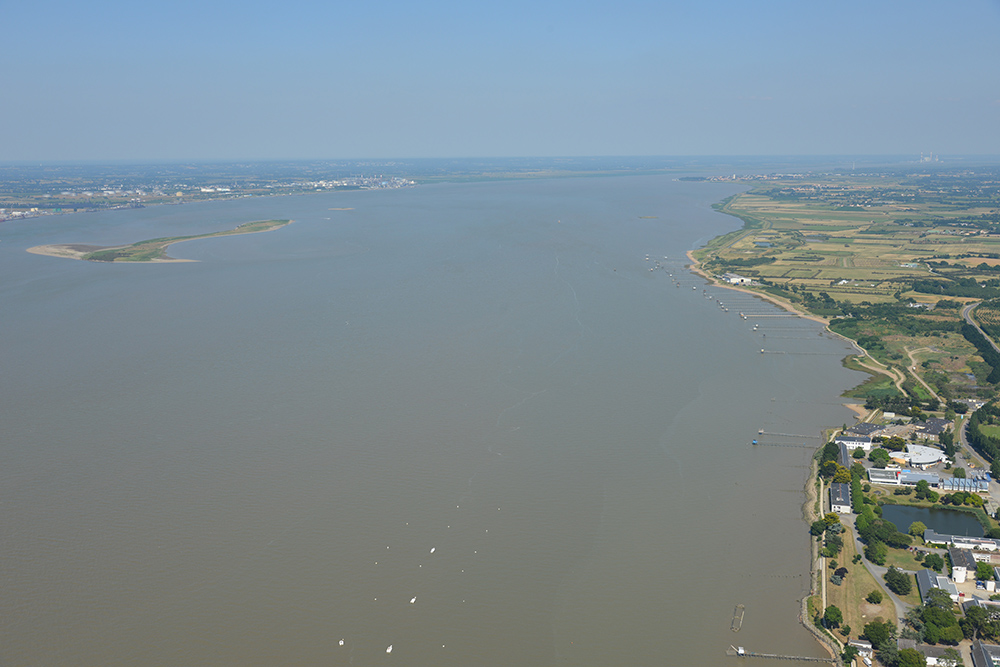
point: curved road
(967, 315)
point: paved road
(992, 502)
(967, 314)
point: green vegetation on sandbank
(153, 250)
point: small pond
(947, 522)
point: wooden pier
(733, 652)
(788, 435)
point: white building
(887, 475)
(853, 441)
(735, 279)
(923, 457)
(840, 498)
(962, 563)
(962, 541)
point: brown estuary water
(466, 421)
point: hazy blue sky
(223, 79)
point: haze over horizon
(114, 81)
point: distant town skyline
(222, 81)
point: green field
(854, 250)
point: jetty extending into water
(788, 435)
(740, 652)
(781, 444)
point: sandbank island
(151, 250)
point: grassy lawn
(904, 560)
(850, 595)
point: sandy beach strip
(80, 251)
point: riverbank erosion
(151, 250)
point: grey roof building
(928, 579)
(962, 563)
(844, 457)
(933, 654)
(840, 498)
(985, 655)
(970, 485)
(864, 428)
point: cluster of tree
(744, 262)
(934, 562)
(899, 582)
(833, 471)
(981, 623)
(963, 287)
(988, 221)
(985, 349)
(857, 491)
(894, 443)
(833, 544)
(830, 452)
(838, 575)
(879, 457)
(898, 403)
(947, 440)
(963, 498)
(879, 534)
(900, 316)
(958, 408)
(882, 635)
(987, 445)
(924, 492)
(830, 528)
(833, 617)
(935, 622)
